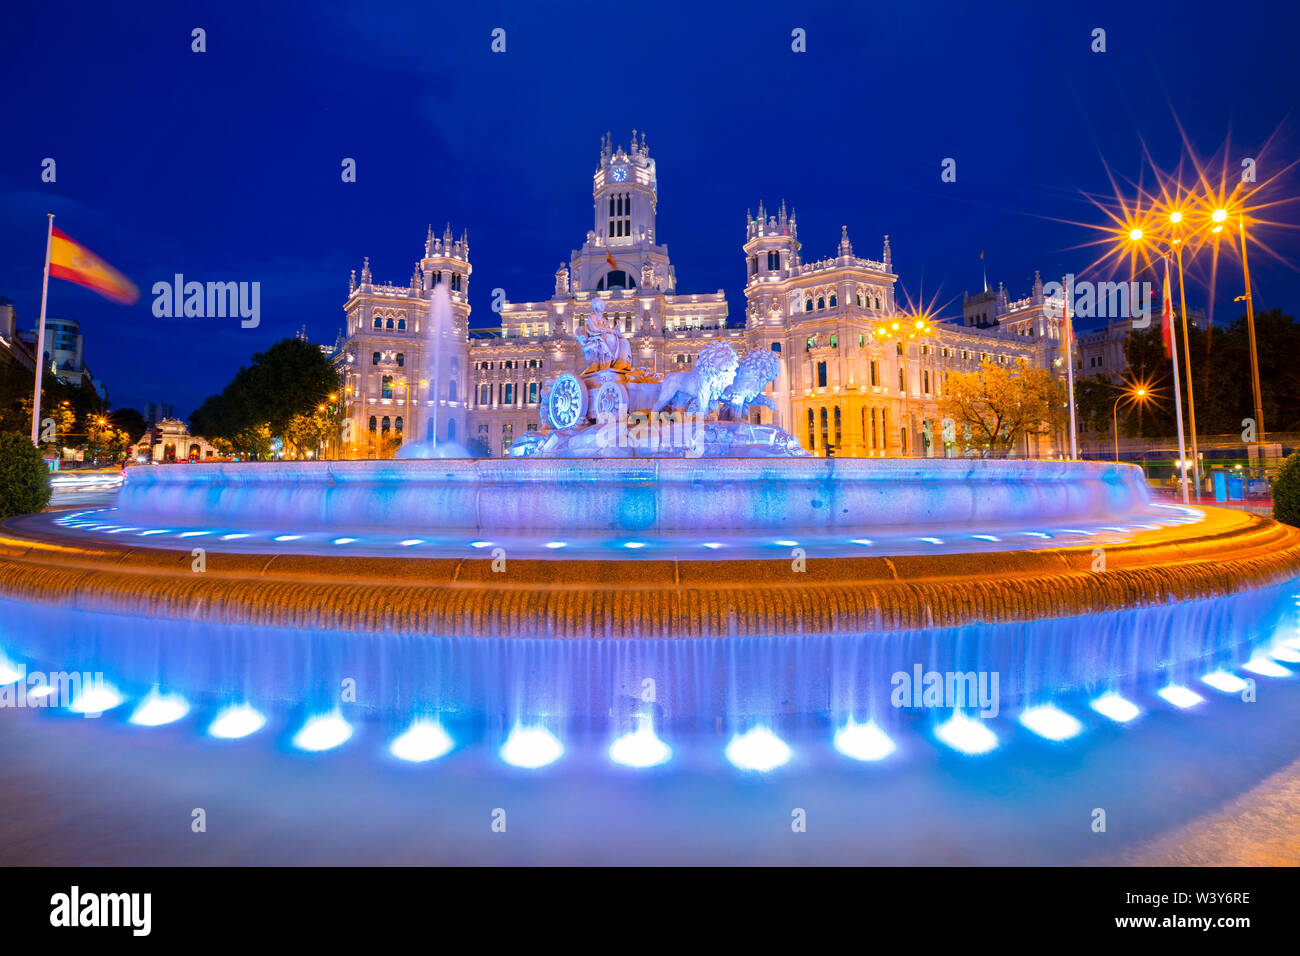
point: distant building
(846, 388)
(14, 348)
(155, 412)
(170, 440)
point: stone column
(854, 441)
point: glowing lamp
(760, 750)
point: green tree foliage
(130, 421)
(1286, 491)
(70, 407)
(24, 477)
(290, 378)
(1221, 383)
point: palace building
(853, 384)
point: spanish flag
(71, 260)
(610, 260)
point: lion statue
(699, 389)
(757, 368)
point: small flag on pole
(1167, 316)
(72, 261)
(610, 260)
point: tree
(24, 479)
(307, 432)
(292, 377)
(994, 408)
(130, 421)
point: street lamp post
(1250, 331)
(1139, 394)
(1176, 217)
(903, 329)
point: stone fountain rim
(1228, 553)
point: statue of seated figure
(602, 343)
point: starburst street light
(1219, 217)
(1175, 236)
(1136, 393)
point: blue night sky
(225, 165)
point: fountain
(652, 573)
(439, 325)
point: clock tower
(625, 192)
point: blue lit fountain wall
(729, 682)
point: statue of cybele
(602, 343)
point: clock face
(620, 174)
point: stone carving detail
(612, 410)
(698, 390)
(757, 368)
(602, 344)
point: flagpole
(1069, 364)
(40, 337)
(1178, 394)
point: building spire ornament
(365, 271)
(846, 247)
(888, 257)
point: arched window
(399, 423)
(834, 301)
(379, 323)
(374, 358)
(877, 303)
(451, 390)
(616, 279)
(386, 388)
(401, 360)
(821, 302)
(451, 429)
(373, 423)
(807, 305)
(401, 325)
(859, 300)
(812, 429)
(838, 433)
(385, 426)
(389, 323)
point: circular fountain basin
(763, 591)
(667, 508)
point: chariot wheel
(566, 402)
(610, 402)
